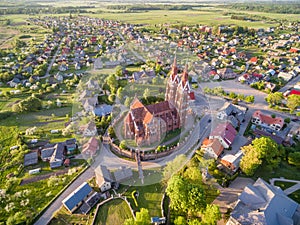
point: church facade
(147, 124)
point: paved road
(47, 216)
(107, 158)
(52, 61)
(110, 160)
(290, 84)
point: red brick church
(148, 123)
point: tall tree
(294, 159)
(293, 102)
(261, 150)
(143, 217)
(211, 215)
(185, 197)
(180, 220)
(173, 166)
(274, 98)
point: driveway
(228, 196)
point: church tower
(172, 84)
(182, 96)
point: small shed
(31, 158)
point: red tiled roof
(192, 95)
(215, 144)
(226, 131)
(268, 119)
(232, 50)
(92, 145)
(257, 75)
(253, 59)
(294, 92)
(294, 50)
(158, 107)
(136, 104)
(212, 72)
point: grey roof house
(57, 157)
(264, 204)
(104, 178)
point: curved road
(107, 158)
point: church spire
(185, 75)
(174, 70)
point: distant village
(264, 59)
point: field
(113, 212)
(188, 17)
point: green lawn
(284, 185)
(44, 119)
(63, 217)
(149, 197)
(284, 170)
(113, 212)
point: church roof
(158, 107)
(136, 103)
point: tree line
(286, 8)
(44, 10)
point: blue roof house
(76, 198)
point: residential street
(48, 214)
(107, 158)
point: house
(92, 85)
(295, 131)
(144, 75)
(294, 50)
(70, 145)
(253, 60)
(294, 92)
(226, 134)
(85, 94)
(285, 76)
(103, 110)
(229, 109)
(261, 133)
(123, 174)
(232, 162)
(267, 121)
(46, 153)
(89, 129)
(57, 157)
(226, 73)
(98, 64)
(90, 103)
(77, 197)
(31, 158)
(212, 148)
(104, 178)
(264, 204)
(234, 121)
(91, 147)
